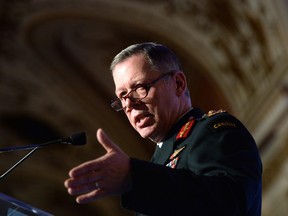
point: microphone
(75, 139)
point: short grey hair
(160, 57)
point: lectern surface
(10, 206)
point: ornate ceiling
(55, 80)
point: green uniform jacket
(208, 165)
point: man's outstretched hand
(103, 176)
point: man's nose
(130, 102)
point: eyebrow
(134, 85)
(132, 88)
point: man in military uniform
(204, 164)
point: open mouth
(142, 119)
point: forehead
(131, 71)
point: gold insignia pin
(176, 152)
(214, 112)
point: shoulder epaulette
(212, 113)
(220, 124)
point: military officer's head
(151, 88)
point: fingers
(87, 193)
(89, 178)
(89, 197)
(86, 188)
(110, 172)
(90, 191)
(89, 166)
(94, 165)
(82, 188)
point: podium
(10, 206)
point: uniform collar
(165, 148)
(195, 113)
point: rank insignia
(183, 133)
(214, 112)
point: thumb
(105, 140)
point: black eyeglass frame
(118, 103)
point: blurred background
(55, 80)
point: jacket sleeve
(220, 175)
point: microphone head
(76, 139)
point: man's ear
(181, 83)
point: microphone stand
(28, 147)
(19, 162)
(75, 139)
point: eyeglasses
(138, 93)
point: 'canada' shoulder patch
(224, 124)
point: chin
(145, 132)
(149, 134)
(144, 135)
